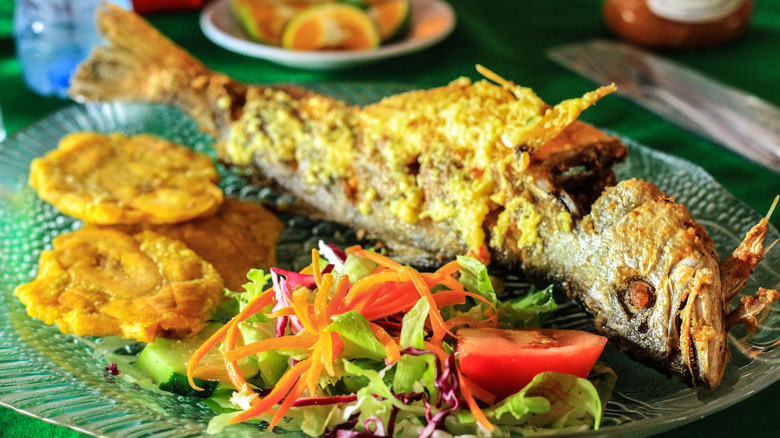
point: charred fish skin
(469, 167)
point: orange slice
(264, 20)
(331, 26)
(391, 18)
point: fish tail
(139, 64)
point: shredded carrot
(466, 391)
(201, 352)
(366, 283)
(281, 389)
(457, 321)
(378, 259)
(326, 344)
(437, 349)
(339, 294)
(401, 305)
(231, 366)
(313, 374)
(300, 304)
(299, 341)
(449, 297)
(449, 269)
(477, 391)
(321, 300)
(378, 295)
(284, 311)
(260, 302)
(392, 351)
(287, 403)
(437, 321)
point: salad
(359, 345)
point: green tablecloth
(509, 37)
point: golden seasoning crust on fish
(484, 168)
(436, 156)
(108, 283)
(431, 154)
(114, 179)
(313, 134)
(241, 236)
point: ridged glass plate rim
(27, 374)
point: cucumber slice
(165, 361)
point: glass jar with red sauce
(678, 24)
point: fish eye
(637, 296)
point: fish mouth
(698, 325)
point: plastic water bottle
(52, 37)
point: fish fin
(539, 130)
(138, 63)
(739, 265)
(553, 121)
(749, 307)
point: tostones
(115, 179)
(241, 236)
(103, 282)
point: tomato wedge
(505, 361)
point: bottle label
(693, 11)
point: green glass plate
(55, 377)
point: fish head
(657, 290)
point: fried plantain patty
(101, 282)
(241, 236)
(115, 179)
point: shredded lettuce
(237, 301)
(551, 401)
(529, 311)
(355, 332)
(474, 276)
(272, 363)
(357, 267)
(411, 369)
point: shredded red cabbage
(282, 286)
(321, 401)
(448, 386)
(344, 429)
(379, 427)
(295, 279)
(339, 253)
(283, 299)
(110, 372)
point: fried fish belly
(241, 236)
(107, 283)
(115, 179)
(481, 168)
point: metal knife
(733, 118)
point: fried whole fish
(482, 168)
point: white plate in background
(431, 22)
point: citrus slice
(391, 18)
(264, 20)
(331, 26)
